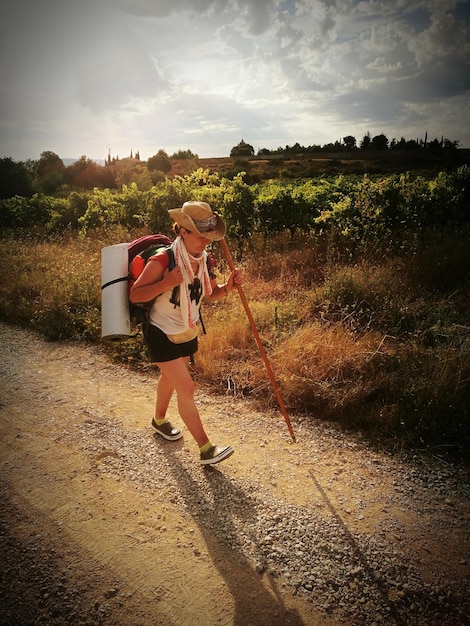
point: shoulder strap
(171, 258)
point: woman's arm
(220, 291)
(153, 281)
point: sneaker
(167, 431)
(215, 454)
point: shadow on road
(217, 515)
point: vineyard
(359, 285)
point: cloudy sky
(84, 77)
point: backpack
(139, 252)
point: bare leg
(177, 377)
(164, 392)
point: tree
(379, 142)
(366, 142)
(137, 174)
(15, 180)
(332, 147)
(450, 145)
(159, 162)
(243, 149)
(92, 175)
(184, 155)
(50, 172)
(76, 168)
(49, 162)
(349, 142)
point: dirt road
(103, 523)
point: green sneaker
(167, 431)
(215, 454)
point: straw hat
(198, 217)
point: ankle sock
(207, 446)
(159, 422)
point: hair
(177, 229)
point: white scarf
(183, 260)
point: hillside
(332, 163)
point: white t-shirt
(166, 311)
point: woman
(172, 334)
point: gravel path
(102, 522)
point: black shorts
(162, 349)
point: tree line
(49, 174)
(349, 143)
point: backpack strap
(171, 259)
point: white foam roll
(115, 319)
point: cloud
(116, 68)
(94, 57)
(164, 8)
(381, 66)
(86, 75)
(445, 38)
(253, 16)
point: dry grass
(52, 286)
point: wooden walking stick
(267, 364)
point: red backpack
(140, 250)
